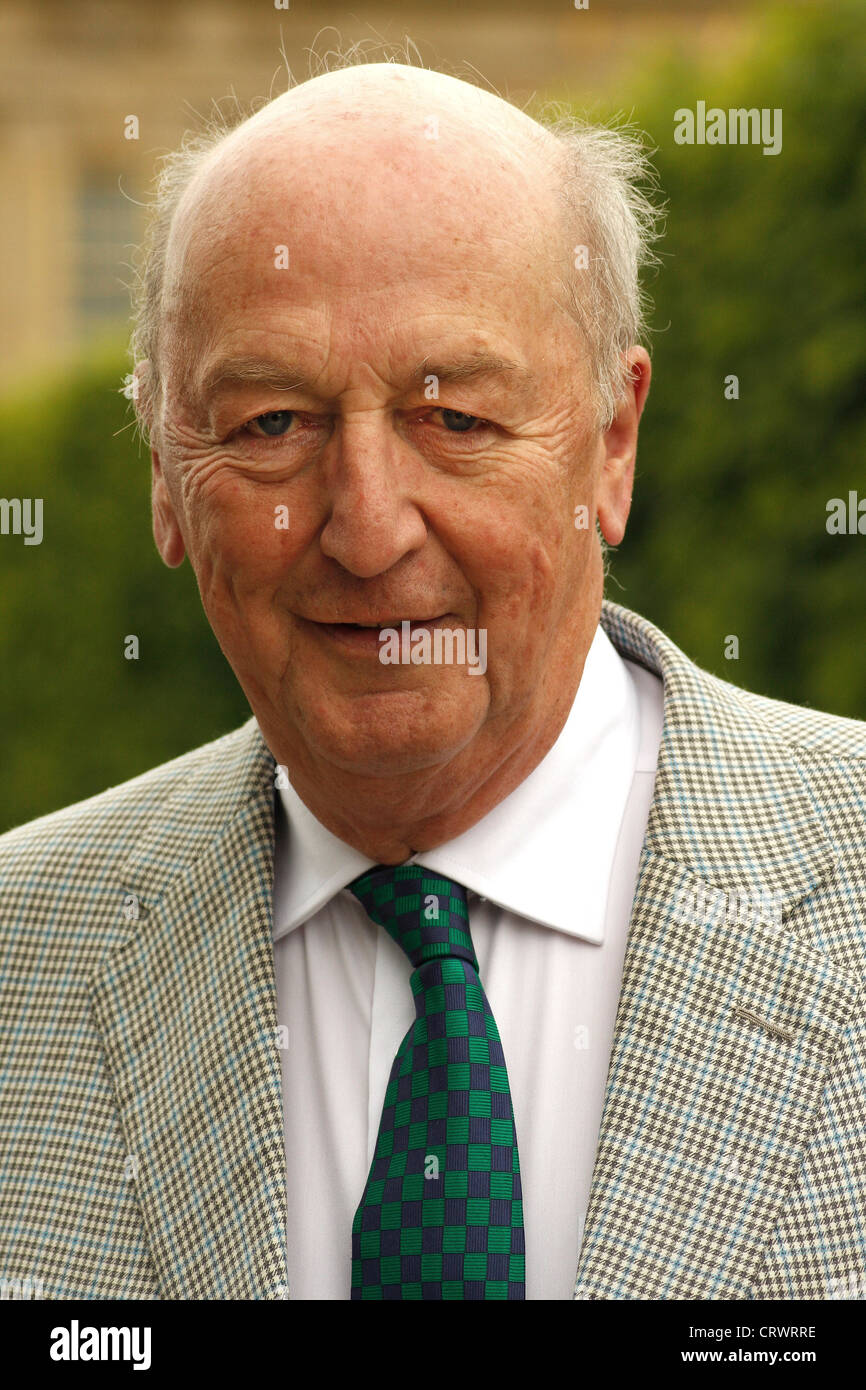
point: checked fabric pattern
(442, 1213)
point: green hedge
(763, 277)
(76, 716)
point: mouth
(366, 637)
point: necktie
(442, 1211)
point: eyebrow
(260, 371)
(470, 368)
(283, 376)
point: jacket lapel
(728, 1016)
(186, 1007)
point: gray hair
(607, 187)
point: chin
(389, 735)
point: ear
(166, 531)
(619, 446)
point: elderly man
(504, 954)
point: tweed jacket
(141, 1118)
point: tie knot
(423, 912)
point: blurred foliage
(76, 715)
(763, 277)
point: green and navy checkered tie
(442, 1211)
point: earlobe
(614, 505)
(166, 531)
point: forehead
(348, 141)
(369, 233)
(349, 203)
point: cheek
(238, 531)
(515, 546)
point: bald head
(387, 164)
(403, 94)
(391, 116)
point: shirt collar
(545, 852)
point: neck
(389, 819)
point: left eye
(274, 422)
(458, 422)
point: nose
(373, 522)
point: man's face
(418, 454)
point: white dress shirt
(550, 874)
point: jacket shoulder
(810, 730)
(104, 828)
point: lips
(387, 622)
(377, 624)
(365, 637)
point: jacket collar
(730, 801)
